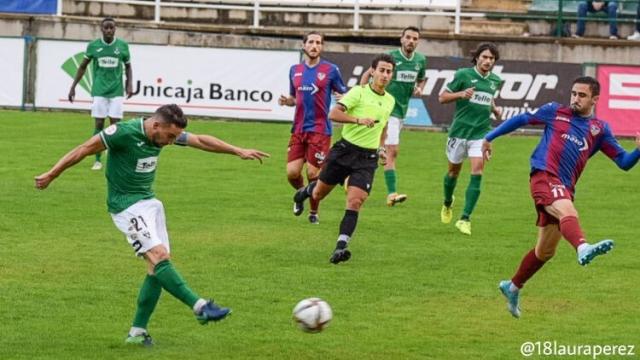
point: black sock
(464, 217)
(347, 227)
(310, 187)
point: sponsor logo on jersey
(111, 129)
(406, 76)
(99, 50)
(310, 88)
(595, 129)
(481, 98)
(297, 74)
(581, 143)
(140, 143)
(562, 118)
(108, 62)
(147, 165)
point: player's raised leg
(564, 210)
(392, 146)
(294, 176)
(148, 297)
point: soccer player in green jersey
(364, 110)
(134, 147)
(473, 90)
(110, 56)
(408, 80)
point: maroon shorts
(545, 189)
(312, 147)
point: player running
(572, 135)
(364, 110)
(473, 89)
(408, 80)
(310, 86)
(134, 147)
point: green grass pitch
(414, 288)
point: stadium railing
(448, 8)
(563, 11)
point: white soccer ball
(312, 315)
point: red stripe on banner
(183, 105)
(619, 102)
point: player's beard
(309, 55)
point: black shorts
(348, 160)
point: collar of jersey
(475, 68)
(105, 43)
(311, 67)
(373, 91)
(406, 58)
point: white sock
(343, 237)
(197, 307)
(513, 288)
(582, 246)
(135, 331)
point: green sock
(147, 300)
(390, 180)
(98, 155)
(449, 186)
(472, 195)
(171, 281)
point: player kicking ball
(572, 135)
(134, 147)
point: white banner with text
(11, 71)
(227, 83)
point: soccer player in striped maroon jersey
(572, 135)
(311, 84)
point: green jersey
(362, 102)
(131, 166)
(108, 63)
(472, 119)
(406, 74)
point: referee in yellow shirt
(364, 110)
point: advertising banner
(619, 102)
(11, 71)
(229, 83)
(527, 85)
(29, 6)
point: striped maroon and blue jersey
(568, 142)
(312, 87)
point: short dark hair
(306, 36)
(382, 57)
(171, 114)
(594, 85)
(410, 28)
(107, 19)
(482, 47)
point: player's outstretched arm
(625, 160)
(90, 147)
(81, 70)
(213, 144)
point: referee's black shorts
(348, 160)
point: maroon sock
(570, 229)
(530, 265)
(297, 183)
(312, 202)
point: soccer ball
(312, 315)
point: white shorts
(459, 149)
(144, 225)
(103, 107)
(393, 131)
